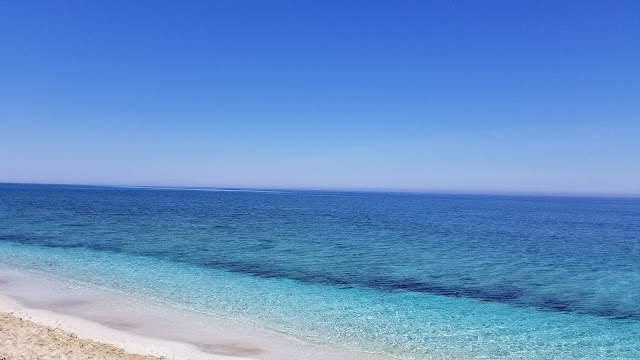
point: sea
(414, 276)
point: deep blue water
(407, 274)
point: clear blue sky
(489, 96)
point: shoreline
(37, 326)
(144, 327)
(23, 339)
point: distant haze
(464, 96)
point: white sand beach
(49, 318)
(28, 333)
(23, 339)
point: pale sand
(27, 333)
(144, 327)
(26, 340)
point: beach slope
(23, 339)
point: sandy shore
(28, 333)
(26, 340)
(66, 320)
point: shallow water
(408, 275)
(153, 320)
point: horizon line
(348, 189)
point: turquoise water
(409, 275)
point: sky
(463, 96)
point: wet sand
(30, 333)
(125, 324)
(26, 340)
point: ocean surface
(410, 275)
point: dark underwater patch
(508, 294)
